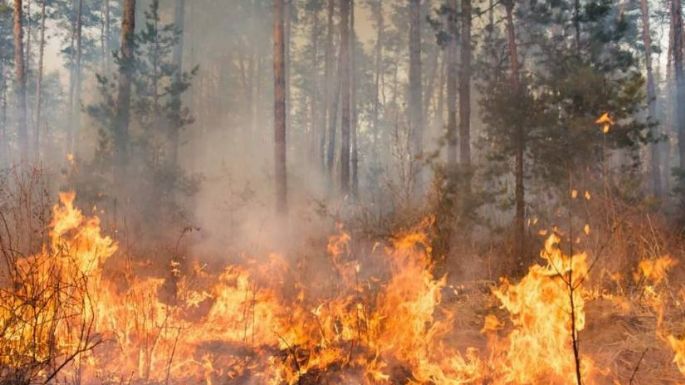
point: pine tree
(345, 96)
(279, 109)
(123, 101)
(20, 79)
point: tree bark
(279, 108)
(333, 115)
(677, 20)
(77, 86)
(452, 87)
(72, 77)
(429, 90)
(353, 101)
(20, 78)
(415, 89)
(126, 68)
(27, 49)
(345, 96)
(317, 134)
(651, 99)
(286, 42)
(378, 12)
(327, 156)
(39, 81)
(439, 117)
(5, 156)
(179, 18)
(519, 219)
(465, 86)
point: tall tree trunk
(378, 65)
(669, 112)
(28, 23)
(651, 99)
(326, 163)
(39, 81)
(439, 117)
(20, 78)
(72, 77)
(452, 87)
(4, 137)
(465, 86)
(126, 69)
(519, 219)
(317, 135)
(345, 95)
(286, 41)
(677, 20)
(415, 90)
(429, 94)
(79, 56)
(279, 109)
(255, 74)
(333, 117)
(259, 87)
(353, 101)
(76, 104)
(179, 18)
(4, 146)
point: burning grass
(79, 312)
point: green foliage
(157, 117)
(566, 85)
(65, 12)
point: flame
(383, 320)
(538, 347)
(606, 122)
(654, 270)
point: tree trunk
(39, 81)
(345, 96)
(76, 103)
(333, 117)
(651, 99)
(27, 59)
(279, 109)
(4, 137)
(415, 90)
(72, 77)
(452, 88)
(20, 78)
(126, 68)
(286, 43)
(465, 86)
(353, 101)
(519, 219)
(378, 65)
(439, 117)
(326, 162)
(677, 20)
(317, 135)
(429, 93)
(179, 17)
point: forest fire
(315, 192)
(251, 325)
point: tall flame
(386, 320)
